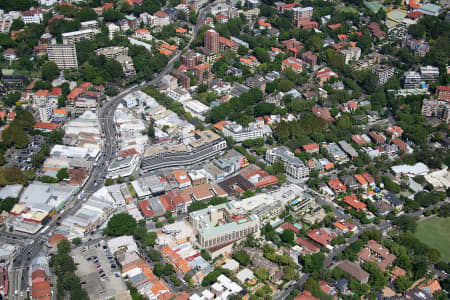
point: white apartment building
(253, 131)
(127, 65)
(169, 81)
(160, 19)
(33, 15)
(140, 43)
(79, 35)
(112, 52)
(179, 95)
(351, 54)
(429, 73)
(384, 73)
(123, 166)
(219, 8)
(46, 112)
(436, 108)
(5, 23)
(120, 54)
(196, 109)
(65, 56)
(143, 34)
(130, 101)
(412, 80)
(294, 167)
(93, 24)
(302, 12)
(145, 18)
(112, 29)
(47, 2)
(221, 225)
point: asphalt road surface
(18, 269)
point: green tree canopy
(242, 257)
(120, 224)
(111, 15)
(62, 174)
(50, 71)
(288, 236)
(262, 273)
(405, 223)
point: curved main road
(18, 269)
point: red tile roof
(443, 88)
(414, 15)
(221, 17)
(368, 177)
(397, 271)
(289, 226)
(306, 295)
(337, 185)
(432, 285)
(41, 290)
(128, 152)
(219, 125)
(11, 115)
(263, 23)
(160, 14)
(227, 42)
(56, 238)
(400, 144)
(175, 197)
(77, 176)
(353, 201)
(357, 138)
(321, 236)
(361, 179)
(293, 63)
(107, 5)
(41, 93)
(146, 209)
(165, 201)
(310, 246)
(323, 113)
(334, 26)
(32, 12)
(56, 92)
(38, 275)
(142, 31)
(313, 147)
(342, 37)
(344, 225)
(74, 93)
(85, 85)
(47, 126)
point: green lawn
(346, 9)
(435, 233)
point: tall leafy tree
(121, 224)
(50, 71)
